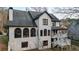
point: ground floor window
(45, 43)
(41, 32)
(54, 32)
(18, 33)
(24, 44)
(52, 40)
(56, 39)
(48, 32)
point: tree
(37, 9)
(3, 18)
(69, 11)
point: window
(45, 32)
(55, 32)
(41, 32)
(17, 33)
(33, 32)
(54, 24)
(26, 32)
(45, 43)
(48, 32)
(45, 21)
(56, 39)
(24, 44)
(52, 40)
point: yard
(3, 43)
(74, 46)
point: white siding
(42, 27)
(15, 43)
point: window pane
(54, 32)
(48, 32)
(26, 32)
(41, 32)
(24, 44)
(17, 33)
(45, 21)
(33, 32)
(45, 43)
(54, 23)
(45, 32)
(52, 40)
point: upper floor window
(17, 33)
(54, 32)
(54, 24)
(48, 32)
(33, 32)
(41, 32)
(45, 21)
(45, 32)
(26, 32)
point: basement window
(24, 44)
(45, 43)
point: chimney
(10, 14)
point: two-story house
(30, 30)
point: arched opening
(26, 32)
(33, 32)
(17, 33)
(41, 32)
(45, 32)
(48, 32)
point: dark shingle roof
(21, 18)
(35, 15)
(58, 28)
(24, 18)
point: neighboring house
(73, 31)
(32, 30)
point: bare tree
(3, 18)
(69, 11)
(37, 9)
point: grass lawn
(3, 43)
(75, 42)
(75, 45)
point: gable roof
(21, 18)
(36, 15)
(24, 18)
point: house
(32, 30)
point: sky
(58, 15)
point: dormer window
(45, 21)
